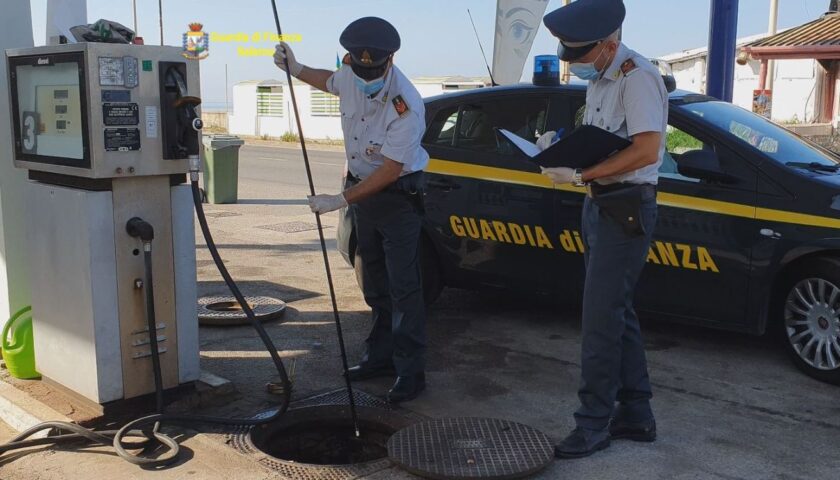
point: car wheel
(429, 271)
(810, 322)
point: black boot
(636, 431)
(407, 388)
(364, 371)
(582, 443)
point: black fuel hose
(139, 428)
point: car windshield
(772, 140)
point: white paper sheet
(527, 147)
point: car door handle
(446, 185)
(769, 233)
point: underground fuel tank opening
(325, 435)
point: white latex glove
(284, 52)
(326, 203)
(559, 175)
(545, 140)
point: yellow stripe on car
(505, 175)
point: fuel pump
(107, 133)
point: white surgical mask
(371, 87)
(587, 71)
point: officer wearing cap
(383, 119)
(626, 96)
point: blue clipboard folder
(583, 147)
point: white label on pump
(111, 71)
(151, 122)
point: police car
(748, 232)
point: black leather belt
(596, 189)
(410, 184)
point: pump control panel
(102, 110)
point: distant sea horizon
(215, 107)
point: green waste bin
(221, 167)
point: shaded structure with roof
(818, 40)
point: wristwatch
(577, 178)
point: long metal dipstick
(321, 236)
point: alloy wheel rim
(812, 322)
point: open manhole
(471, 448)
(226, 311)
(320, 441)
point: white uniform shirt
(391, 124)
(628, 104)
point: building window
(450, 87)
(324, 104)
(270, 101)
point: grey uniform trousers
(613, 364)
(388, 232)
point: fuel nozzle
(185, 106)
(188, 104)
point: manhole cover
(290, 227)
(225, 311)
(221, 214)
(469, 448)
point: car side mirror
(670, 83)
(705, 165)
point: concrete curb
(20, 411)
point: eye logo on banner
(196, 43)
(517, 23)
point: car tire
(429, 271)
(807, 310)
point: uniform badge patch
(399, 105)
(628, 67)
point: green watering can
(19, 352)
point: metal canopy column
(723, 30)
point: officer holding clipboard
(626, 96)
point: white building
(795, 81)
(264, 108)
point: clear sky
(437, 38)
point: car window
(580, 114)
(442, 129)
(472, 126)
(775, 142)
(677, 142)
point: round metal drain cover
(469, 448)
(225, 311)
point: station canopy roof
(819, 40)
